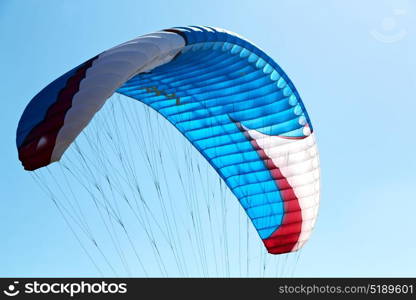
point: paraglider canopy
(225, 95)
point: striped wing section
(55, 117)
(294, 166)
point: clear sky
(353, 63)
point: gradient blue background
(358, 89)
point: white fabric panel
(298, 161)
(108, 72)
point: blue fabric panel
(217, 78)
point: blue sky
(353, 63)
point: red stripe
(34, 155)
(284, 239)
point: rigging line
(97, 204)
(134, 249)
(134, 176)
(247, 246)
(173, 245)
(74, 217)
(195, 215)
(117, 212)
(140, 218)
(83, 218)
(89, 190)
(284, 271)
(188, 198)
(149, 235)
(106, 174)
(239, 244)
(113, 234)
(149, 125)
(170, 240)
(37, 179)
(120, 251)
(159, 152)
(172, 153)
(210, 213)
(224, 227)
(114, 239)
(298, 254)
(207, 204)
